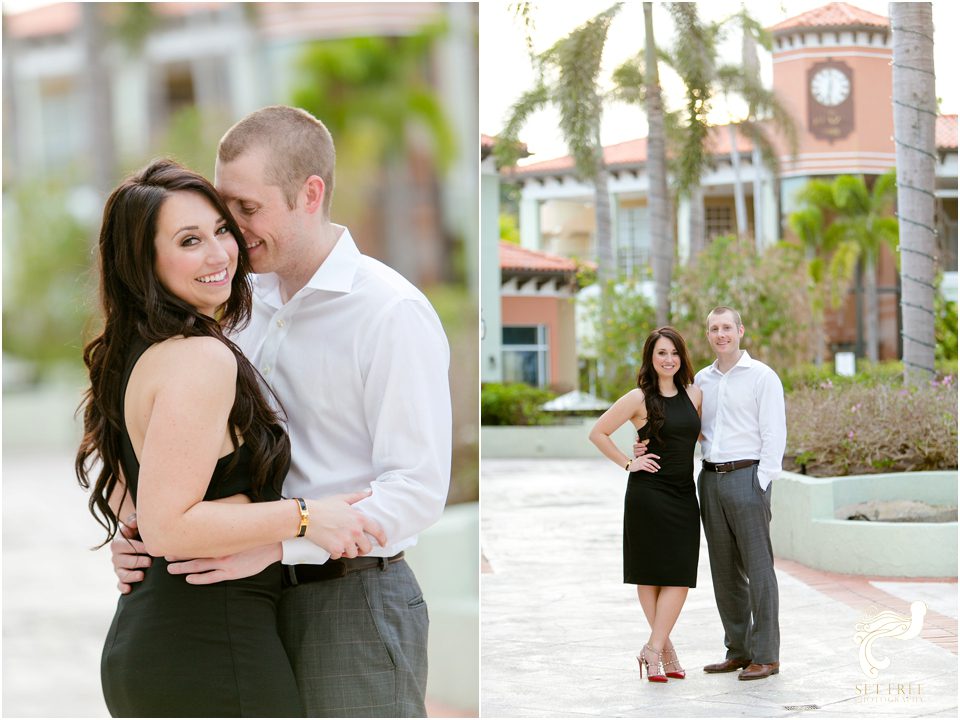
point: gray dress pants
(736, 521)
(358, 644)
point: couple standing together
(234, 421)
(735, 408)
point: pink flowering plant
(861, 429)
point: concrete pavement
(560, 631)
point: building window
(719, 221)
(526, 355)
(633, 241)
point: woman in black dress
(661, 517)
(177, 428)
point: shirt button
(280, 323)
(266, 369)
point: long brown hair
(649, 383)
(136, 307)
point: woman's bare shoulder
(193, 361)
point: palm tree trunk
(914, 121)
(606, 263)
(757, 164)
(740, 203)
(698, 223)
(870, 308)
(97, 97)
(661, 232)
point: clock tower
(831, 68)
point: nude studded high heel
(651, 658)
(671, 664)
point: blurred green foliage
(621, 322)
(945, 328)
(458, 314)
(768, 289)
(50, 285)
(868, 374)
(509, 230)
(514, 404)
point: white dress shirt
(743, 416)
(359, 360)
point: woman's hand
(645, 463)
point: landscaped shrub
(868, 374)
(515, 404)
(769, 289)
(859, 429)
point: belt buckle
(726, 467)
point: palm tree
(693, 57)
(851, 222)
(371, 93)
(569, 80)
(808, 224)
(661, 229)
(763, 106)
(914, 122)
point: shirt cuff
(300, 551)
(765, 477)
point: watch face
(830, 86)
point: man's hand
(645, 463)
(129, 556)
(640, 447)
(206, 571)
(339, 529)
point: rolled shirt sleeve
(773, 427)
(406, 403)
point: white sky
(505, 70)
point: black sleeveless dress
(181, 650)
(661, 516)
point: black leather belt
(333, 569)
(726, 467)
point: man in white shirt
(359, 360)
(743, 436)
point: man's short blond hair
(297, 146)
(719, 310)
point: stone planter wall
(804, 527)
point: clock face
(830, 86)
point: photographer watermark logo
(886, 624)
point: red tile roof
(834, 15)
(634, 152)
(946, 132)
(514, 257)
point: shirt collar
(335, 274)
(744, 361)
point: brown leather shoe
(758, 672)
(727, 665)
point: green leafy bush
(855, 429)
(620, 329)
(889, 372)
(769, 289)
(515, 404)
(49, 291)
